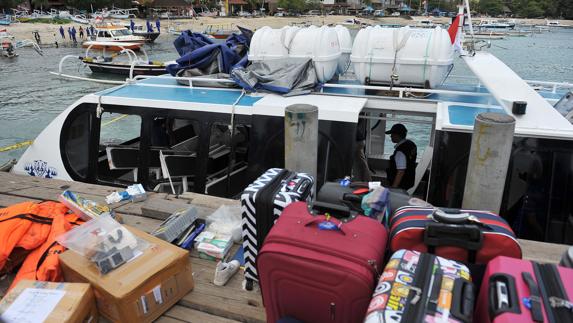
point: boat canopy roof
(156, 92)
(454, 105)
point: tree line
(527, 8)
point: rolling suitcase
(261, 203)
(515, 290)
(463, 235)
(315, 270)
(420, 287)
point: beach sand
(49, 32)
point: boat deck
(207, 302)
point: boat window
(173, 154)
(101, 33)
(118, 158)
(76, 135)
(227, 163)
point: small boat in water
(8, 47)
(134, 65)
(219, 31)
(80, 19)
(140, 30)
(116, 34)
(110, 45)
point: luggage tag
(328, 225)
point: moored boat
(110, 45)
(115, 33)
(215, 141)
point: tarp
(292, 75)
(199, 52)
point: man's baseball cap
(399, 129)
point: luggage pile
(362, 253)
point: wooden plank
(7, 200)
(161, 209)
(209, 201)
(185, 314)
(229, 301)
(167, 319)
(542, 251)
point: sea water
(30, 97)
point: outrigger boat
(8, 45)
(135, 65)
(219, 31)
(111, 46)
(203, 138)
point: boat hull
(114, 48)
(123, 69)
(149, 37)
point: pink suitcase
(320, 275)
(515, 290)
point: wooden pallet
(207, 302)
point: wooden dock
(207, 302)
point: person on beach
(402, 170)
(74, 35)
(149, 27)
(131, 25)
(81, 30)
(88, 33)
(62, 33)
(70, 33)
(158, 25)
(93, 31)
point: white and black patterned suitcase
(261, 204)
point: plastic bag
(226, 221)
(104, 241)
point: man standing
(81, 30)
(62, 33)
(131, 25)
(158, 25)
(402, 170)
(149, 28)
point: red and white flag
(455, 33)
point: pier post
(301, 138)
(490, 150)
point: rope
(29, 142)
(426, 56)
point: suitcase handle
(321, 218)
(462, 306)
(466, 236)
(450, 216)
(502, 295)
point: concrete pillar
(488, 162)
(301, 138)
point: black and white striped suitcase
(261, 204)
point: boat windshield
(121, 32)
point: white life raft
(318, 43)
(402, 56)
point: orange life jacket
(26, 225)
(44, 263)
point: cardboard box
(61, 302)
(140, 290)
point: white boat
(122, 13)
(116, 33)
(494, 24)
(167, 134)
(80, 19)
(424, 23)
(552, 23)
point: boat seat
(421, 168)
(122, 157)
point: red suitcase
(464, 235)
(515, 290)
(317, 274)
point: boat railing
(554, 86)
(402, 91)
